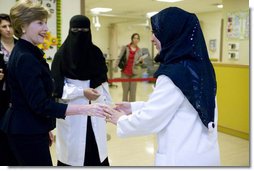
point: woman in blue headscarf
(182, 109)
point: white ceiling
(139, 8)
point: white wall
(101, 37)
(5, 6)
(69, 9)
(211, 27)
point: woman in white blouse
(182, 108)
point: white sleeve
(137, 105)
(155, 113)
(71, 91)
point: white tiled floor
(139, 151)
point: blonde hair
(24, 12)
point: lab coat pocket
(160, 159)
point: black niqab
(78, 58)
(184, 59)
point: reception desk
(233, 99)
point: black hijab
(184, 59)
(78, 58)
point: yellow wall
(233, 99)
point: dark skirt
(7, 157)
(31, 150)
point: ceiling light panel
(98, 10)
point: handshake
(111, 114)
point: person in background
(33, 110)
(7, 42)
(182, 109)
(80, 73)
(130, 70)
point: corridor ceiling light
(219, 6)
(150, 14)
(96, 22)
(169, 0)
(97, 26)
(99, 10)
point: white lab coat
(181, 137)
(71, 132)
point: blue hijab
(184, 59)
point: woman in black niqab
(78, 58)
(184, 59)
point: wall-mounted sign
(238, 25)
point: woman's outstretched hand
(112, 115)
(124, 106)
(95, 109)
